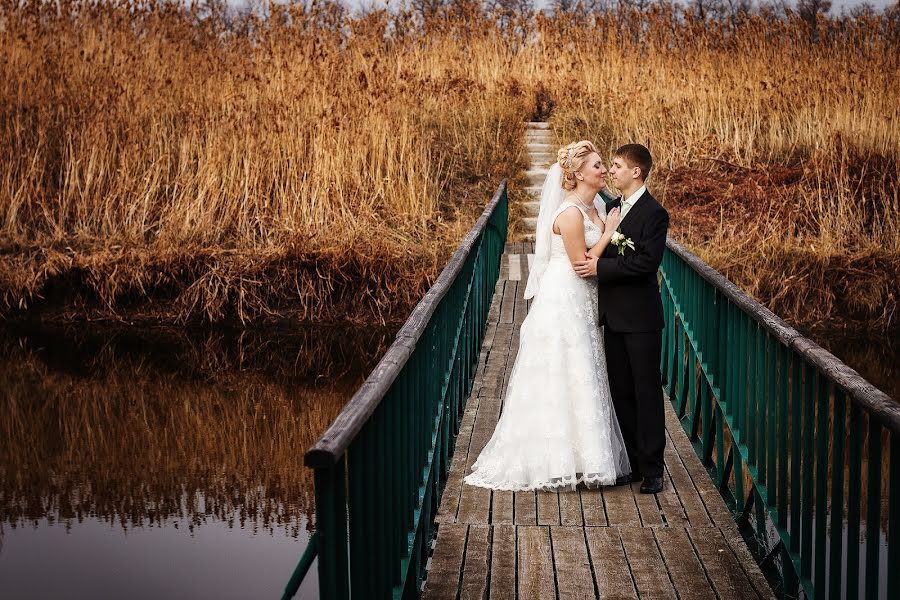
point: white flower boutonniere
(621, 242)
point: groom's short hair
(636, 155)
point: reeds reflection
(161, 427)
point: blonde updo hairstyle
(571, 159)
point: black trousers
(632, 361)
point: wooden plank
(693, 505)
(515, 267)
(709, 494)
(458, 466)
(670, 505)
(446, 562)
(475, 502)
(507, 305)
(747, 562)
(570, 508)
(684, 566)
(647, 506)
(486, 345)
(722, 568)
(526, 271)
(502, 507)
(592, 508)
(496, 302)
(547, 508)
(620, 507)
(485, 422)
(647, 566)
(612, 572)
(535, 563)
(475, 573)
(474, 505)
(503, 563)
(573, 567)
(526, 513)
(521, 307)
(492, 383)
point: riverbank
(164, 165)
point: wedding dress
(557, 426)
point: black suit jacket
(627, 286)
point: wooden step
(536, 176)
(532, 208)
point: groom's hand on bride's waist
(586, 267)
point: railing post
(331, 525)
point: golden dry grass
(777, 156)
(323, 166)
(290, 166)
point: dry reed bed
(322, 166)
(778, 156)
(154, 429)
(237, 171)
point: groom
(631, 309)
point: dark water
(164, 463)
(876, 358)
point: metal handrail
(861, 391)
(334, 442)
(767, 411)
(381, 465)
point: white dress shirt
(629, 202)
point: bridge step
(541, 147)
(532, 208)
(567, 544)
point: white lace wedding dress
(557, 426)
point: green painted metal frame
(381, 466)
(782, 427)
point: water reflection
(165, 446)
(877, 360)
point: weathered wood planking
(587, 543)
(477, 566)
(611, 568)
(503, 563)
(573, 568)
(535, 564)
(684, 566)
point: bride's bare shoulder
(568, 216)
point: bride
(558, 426)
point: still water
(164, 463)
(876, 359)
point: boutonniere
(621, 242)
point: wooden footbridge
(782, 464)
(611, 542)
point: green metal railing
(381, 466)
(805, 451)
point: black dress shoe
(651, 485)
(628, 479)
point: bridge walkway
(612, 542)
